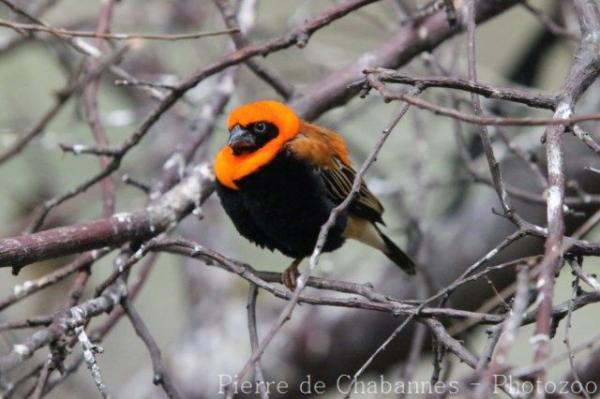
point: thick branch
(584, 70)
(159, 215)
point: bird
(278, 178)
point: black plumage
(283, 206)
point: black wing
(338, 181)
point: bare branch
(161, 377)
(113, 36)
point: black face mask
(247, 139)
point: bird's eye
(260, 127)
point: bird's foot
(290, 275)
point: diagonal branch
(116, 230)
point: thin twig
(259, 377)
(89, 354)
(161, 376)
(527, 97)
(567, 339)
(507, 337)
(113, 36)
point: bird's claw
(290, 275)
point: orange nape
(319, 146)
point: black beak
(241, 140)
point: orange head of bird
(257, 132)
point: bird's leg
(288, 277)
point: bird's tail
(397, 255)
(368, 233)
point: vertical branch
(259, 377)
(556, 230)
(583, 72)
(508, 335)
(483, 131)
(90, 97)
(576, 379)
(42, 380)
(89, 355)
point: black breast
(283, 206)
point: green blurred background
(30, 74)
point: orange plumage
(229, 167)
(279, 177)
